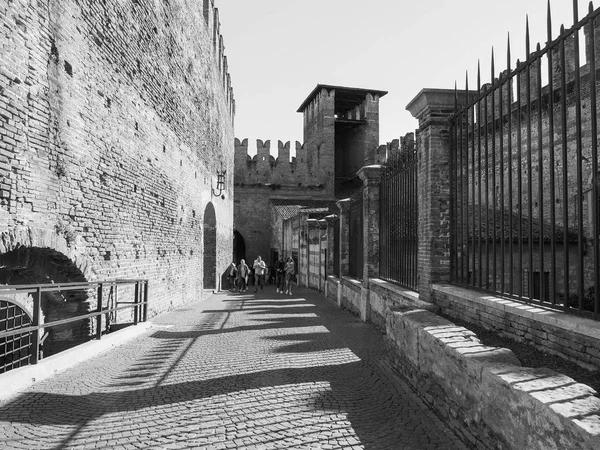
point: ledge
(569, 322)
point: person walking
(279, 274)
(232, 275)
(260, 269)
(290, 272)
(242, 275)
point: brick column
(370, 176)
(312, 228)
(433, 107)
(331, 221)
(344, 206)
(322, 224)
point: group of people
(285, 275)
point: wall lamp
(220, 184)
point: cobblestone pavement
(250, 371)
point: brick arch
(37, 265)
(210, 247)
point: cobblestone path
(261, 371)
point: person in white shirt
(260, 269)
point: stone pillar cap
(311, 223)
(343, 204)
(370, 173)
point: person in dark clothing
(279, 274)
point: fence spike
(492, 67)
(478, 77)
(466, 87)
(591, 7)
(508, 53)
(549, 23)
(575, 12)
(527, 45)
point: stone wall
(484, 393)
(114, 117)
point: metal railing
(29, 333)
(524, 176)
(399, 212)
(355, 231)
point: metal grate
(399, 240)
(524, 175)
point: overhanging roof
(345, 97)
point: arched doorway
(239, 247)
(210, 247)
(35, 265)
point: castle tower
(343, 123)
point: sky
(279, 50)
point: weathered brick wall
(114, 117)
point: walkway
(263, 371)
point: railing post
(145, 307)
(311, 227)
(322, 261)
(433, 108)
(99, 310)
(136, 297)
(37, 305)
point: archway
(210, 247)
(239, 247)
(35, 265)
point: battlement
(213, 27)
(310, 166)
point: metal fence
(398, 238)
(23, 334)
(524, 184)
(355, 229)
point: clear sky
(279, 50)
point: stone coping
(569, 322)
(503, 404)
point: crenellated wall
(305, 170)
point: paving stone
(233, 371)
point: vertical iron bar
(99, 310)
(511, 289)
(494, 245)
(480, 234)
(136, 296)
(519, 180)
(580, 237)
(145, 307)
(467, 245)
(37, 306)
(501, 198)
(551, 163)
(461, 193)
(540, 167)
(530, 289)
(487, 188)
(594, 126)
(565, 186)
(473, 234)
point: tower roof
(345, 97)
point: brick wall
(114, 117)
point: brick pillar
(322, 224)
(370, 176)
(433, 107)
(344, 206)
(312, 231)
(331, 221)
